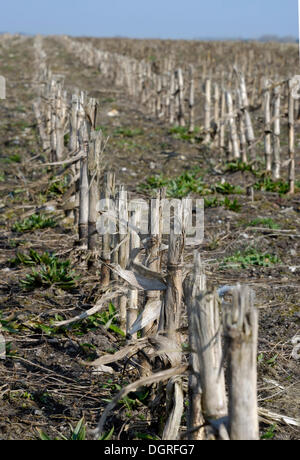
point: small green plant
(264, 222)
(111, 385)
(180, 186)
(192, 182)
(2, 177)
(232, 205)
(182, 133)
(53, 271)
(188, 182)
(58, 186)
(9, 351)
(127, 132)
(155, 183)
(107, 436)
(228, 189)
(108, 319)
(8, 326)
(108, 100)
(248, 258)
(31, 259)
(240, 166)
(66, 139)
(16, 158)
(77, 434)
(34, 222)
(212, 202)
(272, 361)
(267, 184)
(270, 433)
(130, 405)
(103, 129)
(15, 395)
(261, 358)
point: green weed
(232, 205)
(108, 100)
(270, 362)
(34, 222)
(16, 158)
(228, 189)
(182, 133)
(58, 186)
(53, 271)
(267, 184)
(192, 182)
(264, 222)
(213, 202)
(32, 259)
(270, 433)
(179, 187)
(240, 166)
(248, 258)
(77, 434)
(8, 326)
(127, 132)
(66, 139)
(103, 129)
(108, 319)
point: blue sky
(185, 19)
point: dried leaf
(150, 313)
(272, 417)
(146, 272)
(155, 378)
(103, 370)
(174, 408)
(166, 349)
(92, 311)
(123, 353)
(149, 283)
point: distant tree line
(276, 38)
(263, 39)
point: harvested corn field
(139, 332)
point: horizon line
(262, 38)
